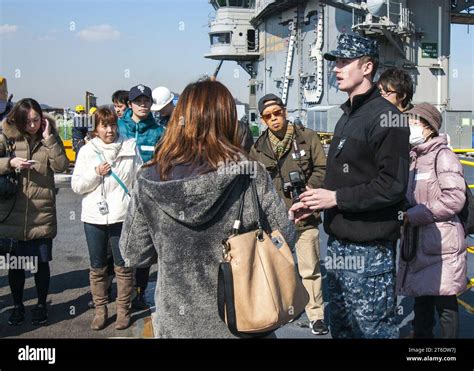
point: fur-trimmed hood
(12, 132)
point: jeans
(98, 237)
(78, 135)
(142, 276)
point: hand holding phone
(20, 163)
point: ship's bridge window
(241, 3)
(234, 3)
(251, 42)
(220, 38)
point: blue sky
(462, 67)
(56, 50)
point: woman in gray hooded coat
(185, 204)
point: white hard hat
(161, 97)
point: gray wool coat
(180, 224)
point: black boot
(91, 304)
(17, 316)
(447, 307)
(139, 302)
(39, 314)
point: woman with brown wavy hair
(185, 204)
(200, 134)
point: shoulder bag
(259, 288)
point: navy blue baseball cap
(138, 91)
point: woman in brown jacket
(37, 153)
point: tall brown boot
(98, 278)
(124, 278)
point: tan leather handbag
(259, 288)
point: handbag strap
(225, 282)
(10, 154)
(410, 243)
(225, 297)
(9, 147)
(101, 157)
(255, 205)
(238, 220)
(257, 209)
(121, 184)
(6, 142)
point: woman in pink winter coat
(433, 250)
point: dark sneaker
(139, 303)
(318, 327)
(39, 315)
(18, 315)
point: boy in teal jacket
(138, 122)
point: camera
(103, 207)
(295, 187)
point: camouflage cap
(353, 46)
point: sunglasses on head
(276, 113)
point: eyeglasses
(386, 93)
(276, 113)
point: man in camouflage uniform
(363, 196)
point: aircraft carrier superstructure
(280, 44)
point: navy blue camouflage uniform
(362, 297)
(367, 166)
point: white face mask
(416, 135)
